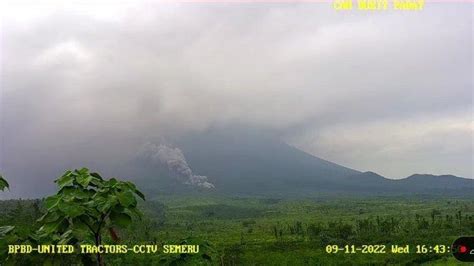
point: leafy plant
(85, 206)
(7, 229)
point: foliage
(5, 230)
(85, 206)
(3, 183)
(254, 231)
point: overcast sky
(387, 91)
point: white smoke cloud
(174, 159)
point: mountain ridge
(252, 163)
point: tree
(85, 206)
(433, 215)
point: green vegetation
(266, 231)
(6, 229)
(282, 232)
(3, 183)
(85, 206)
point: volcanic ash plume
(174, 159)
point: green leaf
(49, 228)
(83, 171)
(130, 185)
(71, 209)
(48, 217)
(65, 237)
(4, 230)
(140, 194)
(120, 219)
(104, 204)
(127, 199)
(84, 226)
(81, 222)
(111, 182)
(65, 180)
(133, 188)
(96, 175)
(118, 208)
(3, 183)
(76, 193)
(84, 180)
(83, 233)
(101, 192)
(52, 201)
(96, 182)
(134, 211)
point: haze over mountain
(242, 162)
(239, 161)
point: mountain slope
(372, 183)
(252, 162)
(436, 184)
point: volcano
(252, 162)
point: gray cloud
(83, 83)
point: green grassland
(272, 231)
